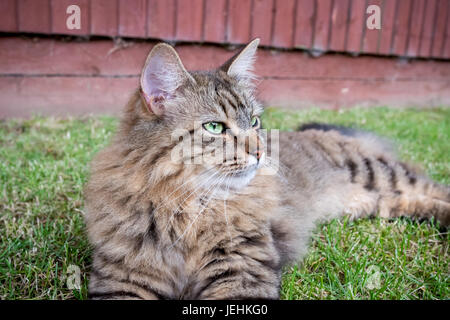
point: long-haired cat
(166, 226)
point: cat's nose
(258, 153)
(256, 149)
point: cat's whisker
(203, 183)
(194, 191)
(208, 180)
(225, 206)
(213, 189)
(195, 177)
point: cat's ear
(162, 75)
(241, 64)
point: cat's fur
(167, 230)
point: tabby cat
(168, 227)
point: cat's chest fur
(202, 224)
(235, 231)
(149, 242)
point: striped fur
(159, 232)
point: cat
(164, 227)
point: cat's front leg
(112, 279)
(231, 284)
(237, 275)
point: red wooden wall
(414, 28)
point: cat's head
(214, 112)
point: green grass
(44, 164)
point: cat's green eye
(214, 127)
(255, 121)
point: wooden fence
(413, 28)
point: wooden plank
(132, 18)
(8, 22)
(59, 17)
(34, 16)
(428, 28)
(339, 25)
(214, 24)
(401, 27)
(63, 96)
(440, 29)
(330, 94)
(416, 26)
(356, 26)
(52, 57)
(104, 17)
(322, 26)
(371, 37)
(446, 50)
(238, 26)
(284, 25)
(387, 26)
(304, 23)
(292, 65)
(96, 58)
(189, 20)
(161, 19)
(262, 15)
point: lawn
(44, 164)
